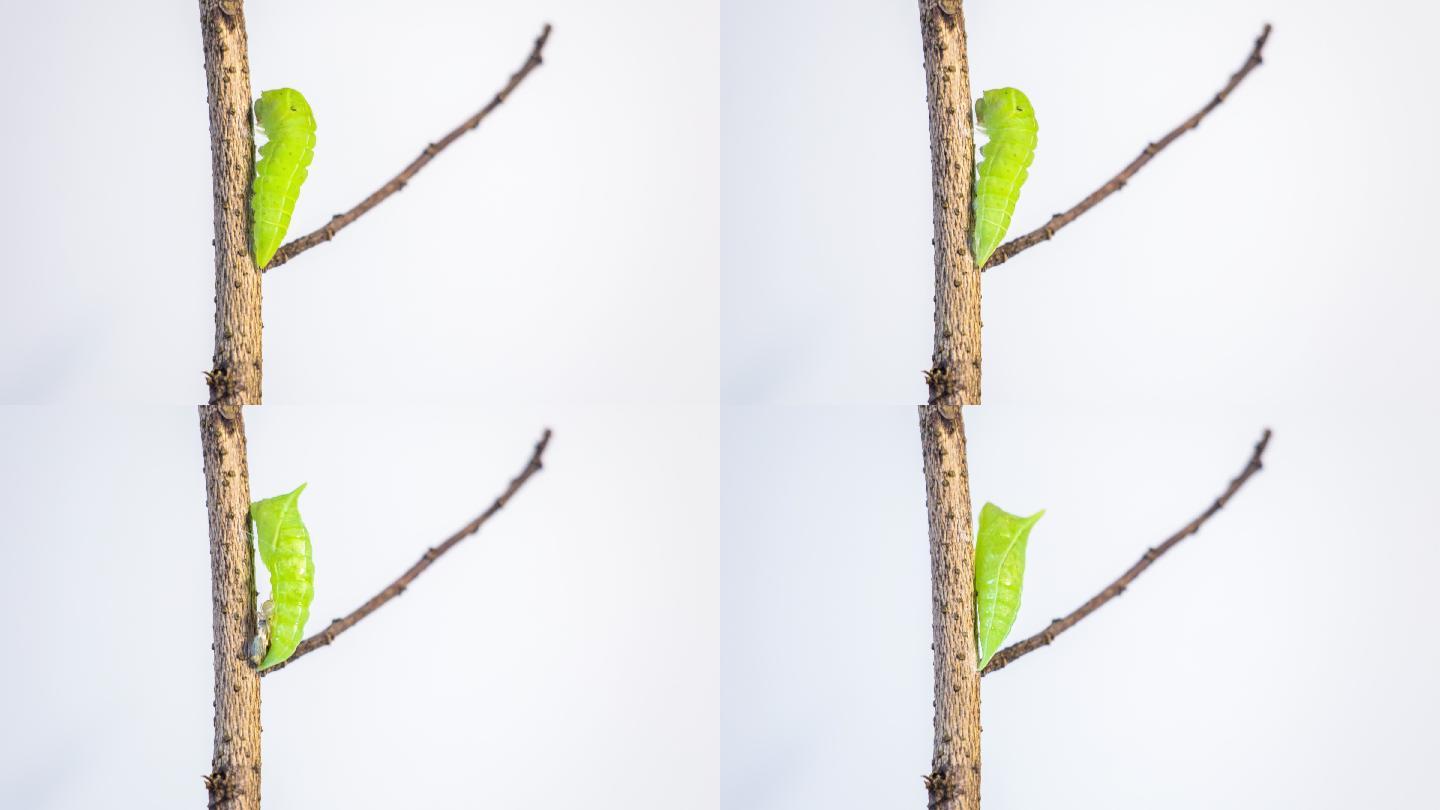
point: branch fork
(336, 627)
(234, 381)
(953, 382)
(397, 183)
(1043, 638)
(1046, 232)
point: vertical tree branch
(232, 156)
(954, 381)
(234, 780)
(954, 780)
(956, 361)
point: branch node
(940, 787)
(217, 784)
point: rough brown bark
(232, 154)
(954, 381)
(954, 780)
(234, 780)
(955, 366)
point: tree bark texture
(955, 367)
(232, 155)
(234, 780)
(954, 781)
(954, 381)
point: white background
(1272, 268)
(557, 267)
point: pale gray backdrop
(1272, 268)
(558, 267)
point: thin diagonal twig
(1114, 589)
(394, 589)
(338, 222)
(1008, 250)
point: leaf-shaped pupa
(284, 545)
(999, 574)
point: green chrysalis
(1009, 121)
(289, 128)
(999, 574)
(284, 544)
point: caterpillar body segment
(289, 128)
(284, 545)
(1009, 122)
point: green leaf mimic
(999, 574)
(284, 545)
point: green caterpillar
(285, 549)
(999, 574)
(289, 128)
(1009, 121)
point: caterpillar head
(277, 106)
(997, 105)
